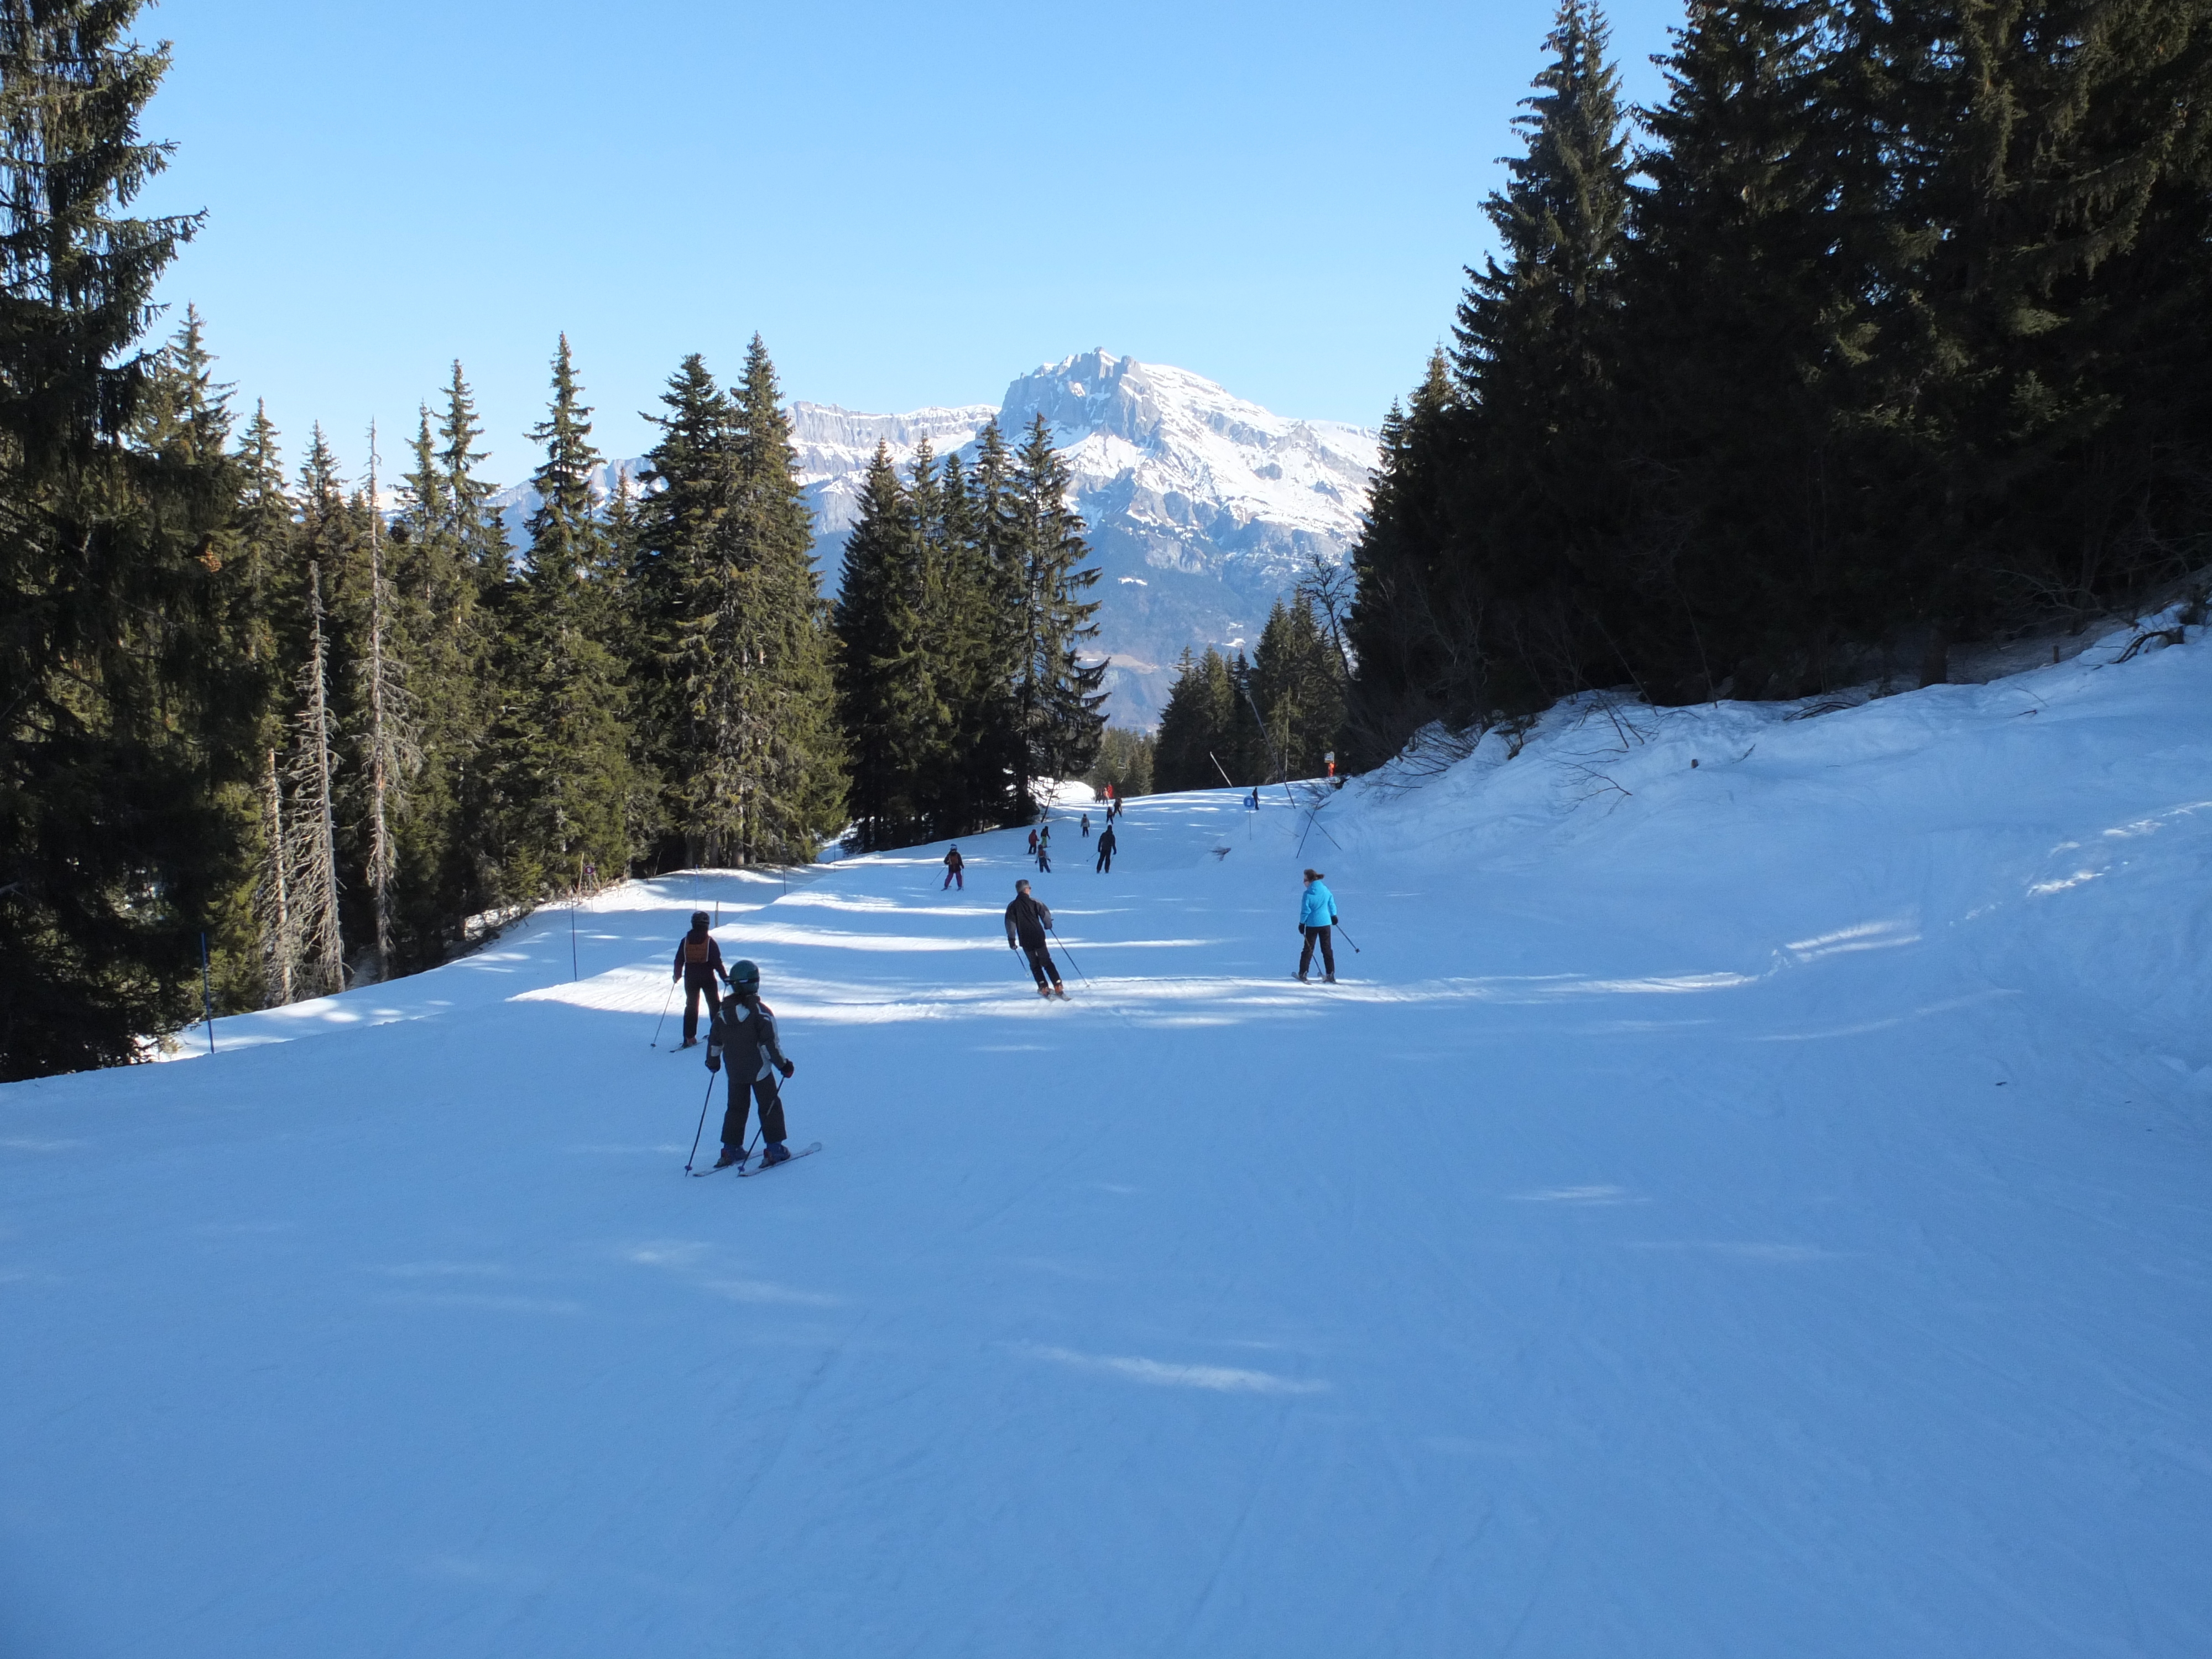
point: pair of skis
(747, 1167)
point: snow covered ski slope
(1757, 1208)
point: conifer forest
(1887, 328)
(303, 706)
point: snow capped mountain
(1203, 508)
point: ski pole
(663, 1020)
(1069, 954)
(702, 1129)
(759, 1127)
(1348, 939)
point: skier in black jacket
(1027, 923)
(744, 1038)
(1106, 851)
(698, 962)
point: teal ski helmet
(744, 976)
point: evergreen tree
(1414, 627)
(878, 628)
(789, 774)
(1745, 323)
(114, 848)
(564, 774)
(1296, 690)
(994, 589)
(263, 560)
(438, 601)
(686, 592)
(1532, 336)
(1057, 701)
(1198, 744)
(314, 933)
(391, 754)
(956, 793)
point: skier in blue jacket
(1316, 915)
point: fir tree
(564, 774)
(391, 754)
(1198, 744)
(1295, 691)
(790, 777)
(1057, 697)
(114, 848)
(1534, 331)
(874, 631)
(1413, 628)
(686, 595)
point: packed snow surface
(1755, 1207)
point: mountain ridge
(1202, 507)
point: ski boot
(730, 1154)
(775, 1152)
(1044, 990)
(1059, 991)
(1331, 979)
(689, 1042)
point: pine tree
(995, 591)
(1296, 692)
(1057, 697)
(1532, 336)
(686, 594)
(564, 770)
(1198, 744)
(867, 627)
(790, 777)
(310, 839)
(1415, 626)
(2036, 263)
(114, 848)
(263, 558)
(392, 753)
(1745, 324)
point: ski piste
(760, 1168)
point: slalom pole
(663, 1020)
(575, 971)
(703, 1102)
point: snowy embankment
(1758, 1207)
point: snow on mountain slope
(1756, 1207)
(1204, 509)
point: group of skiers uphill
(742, 1031)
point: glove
(714, 1057)
(788, 1068)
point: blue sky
(911, 204)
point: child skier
(698, 960)
(745, 1035)
(1316, 915)
(1027, 922)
